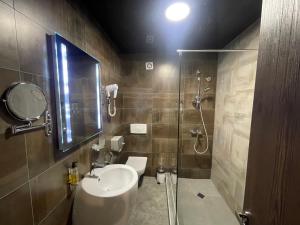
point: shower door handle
(243, 217)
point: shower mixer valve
(195, 132)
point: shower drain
(200, 195)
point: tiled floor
(151, 207)
(210, 210)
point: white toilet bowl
(139, 164)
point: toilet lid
(138, 163)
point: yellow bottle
(74, 174)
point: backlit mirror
(77, 92)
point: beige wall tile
(234, 100)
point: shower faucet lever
(195, 132)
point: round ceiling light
(177, 11)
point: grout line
(33, 20)
(55, 164)
(17, 45)
(22, 71)
(26, 153)
(13, 190)
(53, 209)
(28, 176)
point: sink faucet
(96, 165)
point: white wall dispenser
(117, 143)
(138, 128)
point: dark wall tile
(95, 47)
(137, 100)
(135, 74)
(166, 116)
(193, 116)
(40, 152)
(7, 78)
(208, 101)
(191, 83)
(194, 173)
(164, 131)
(166, 159)
(73, 25)
(165, 100)
(187, 146)
(48, 189)
(206, 63)
(62, 215)
(186, 129)
(13, 164)
(160, 145)
(15, 209)
(196, 161)
(45, 12)
(166, 75)
(138, 143)
(163, 83)
(85, 157)
(8, 41)
(138, 115)
(32, 46)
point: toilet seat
(138, 163)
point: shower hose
(197, 138)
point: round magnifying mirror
(26, 101)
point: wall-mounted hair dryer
(109, 89)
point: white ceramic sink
(107, 198)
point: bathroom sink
(110, 181)
(107, 197)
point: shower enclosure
(215, 99)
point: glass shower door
(216, 94)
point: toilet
(136, 162)
(139, 164)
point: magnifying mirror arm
(16, 129)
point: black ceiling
(211, 25)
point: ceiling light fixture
(177, 11)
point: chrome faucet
(95, 165)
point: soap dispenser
(73, 176)
(75, 173)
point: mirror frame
(59, 152)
